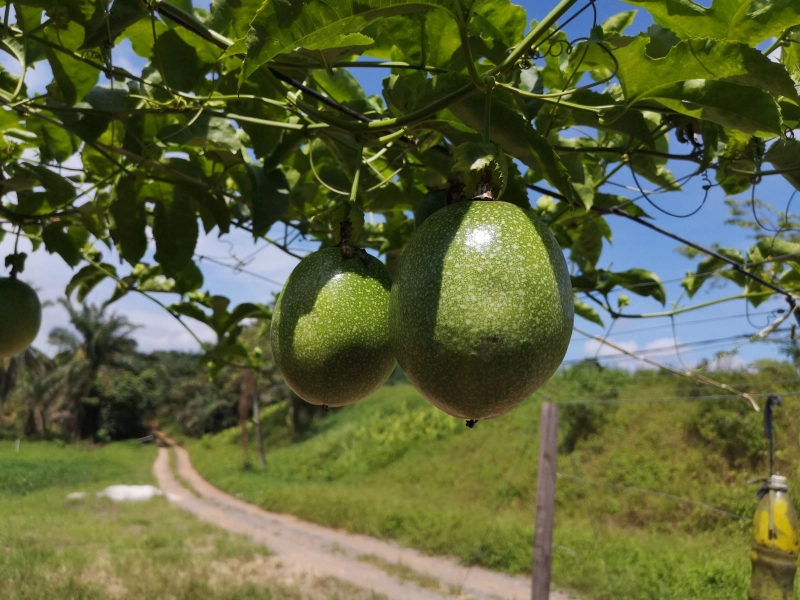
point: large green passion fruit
(481, 308)
(20, 316)
(330, 334)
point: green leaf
(246, 310)
(587, 312)
(344, 88)
(188, 280)
(785, 154)
(16, 49)
(87, 279)
(73, 78)
(747, 21)
(93, 217)
(337, 48)
(122, 15)
(54, 143)
(616, 24)
(174, 229)
(281, 27)
(269, 198)
(694, 281)
(777, 249)
(587, 242)
(67, 241)
(499, 25)
(740, 151)
(189, 309)
(179, 62)
(725, 82)
(59, 191)
(641, 282)
(130, 220)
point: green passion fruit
(20, 316)
(481, 309)
(329, 332)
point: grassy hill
(394, 467)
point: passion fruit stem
(15, 258)
(485, 186)
(345, 231)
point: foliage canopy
(248, 114)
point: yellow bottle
(775, 545)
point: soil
(305, 549)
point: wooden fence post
(545, 502)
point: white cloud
(160, 331)
(595, 348)
(732, 362)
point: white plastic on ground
(76, 496)
(130, 493)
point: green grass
(394, 467)
(52, 548)
(403, 572)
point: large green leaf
(785, 154)
(130, 220)
(67, 241)
(725, 82)
(498, 25)
(711, 267)
(748, 21)
(179, 61)
(85, 280)
(174, 227)
(281, 27)
(269, 197)
(73, 78)
(122, 15)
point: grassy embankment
(394, 467)
(52, 548)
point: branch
(736, 266)
(668, 313)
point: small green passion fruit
(481, 308)
(20, 316)
(329, 332)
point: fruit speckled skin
(329, 329)
(20, 316)
(481, 308)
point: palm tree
(102, 341)
(29, 375)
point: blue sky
(633, 246)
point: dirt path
(319, 551)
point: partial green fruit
(481, 308)
(330, 333)
(20, 316)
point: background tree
(102, 342)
